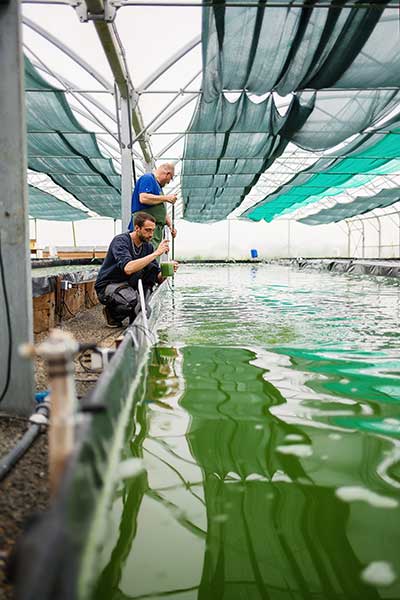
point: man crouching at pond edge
(130, 257)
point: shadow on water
(240, 501)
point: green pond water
(269, 434)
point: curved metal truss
(129, 139)
(122, 133)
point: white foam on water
(354, 493)
(302, 450)
(131, 467)
(334, 436)
(379, 573)
(294, 437)
(222, 518)
(281, 476)
(256, 477)
(233, 475)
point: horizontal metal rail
(288, 4)
(140, 92)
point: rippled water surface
(269, 439)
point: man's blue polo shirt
(147, 184)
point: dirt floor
(24, 491)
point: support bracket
(108, 14)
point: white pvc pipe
(143, 307)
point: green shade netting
(358, 206)
(286, 49)
(230, 144)
(60, 147)
(377, 154)
(46, 206)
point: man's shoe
(109, 320)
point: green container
(167, 269)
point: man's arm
(133, 266)
(153, 199)
(169, 224)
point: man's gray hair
(167, 167)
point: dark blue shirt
(120, 252)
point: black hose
(8, 462)
(11, 459)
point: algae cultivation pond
(269, 438)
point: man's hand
(176, 265)
(173, 231)
(172, 198)
(162, 248)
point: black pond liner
(41, 263)
(49, 557)
(374, 267)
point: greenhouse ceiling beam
(115, 55)
(111, 46)
(171, 113)
(252, 94)
(98, 105)
(172, 143)
(68, 85)
(75, 57)
(69, 90)
(367, 5)
(164, 108)
(169, 63)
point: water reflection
(244, 499)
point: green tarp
(288, 48)
(283, 50)
(378, 154)
(60, 147)
(46, 206)
(358, 206)
(230, 144)
(234, 142)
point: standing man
(148, 196)
(130, 257)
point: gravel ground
(24, 491)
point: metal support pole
(362, 238)
(172, 237)
(379, 237)
(126, 163)
(73, 233)
(398, 215)
(36, 231)
(16, 374)
(229, 240)
(115, 227)
(348, 238)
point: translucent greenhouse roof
(269, 91)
